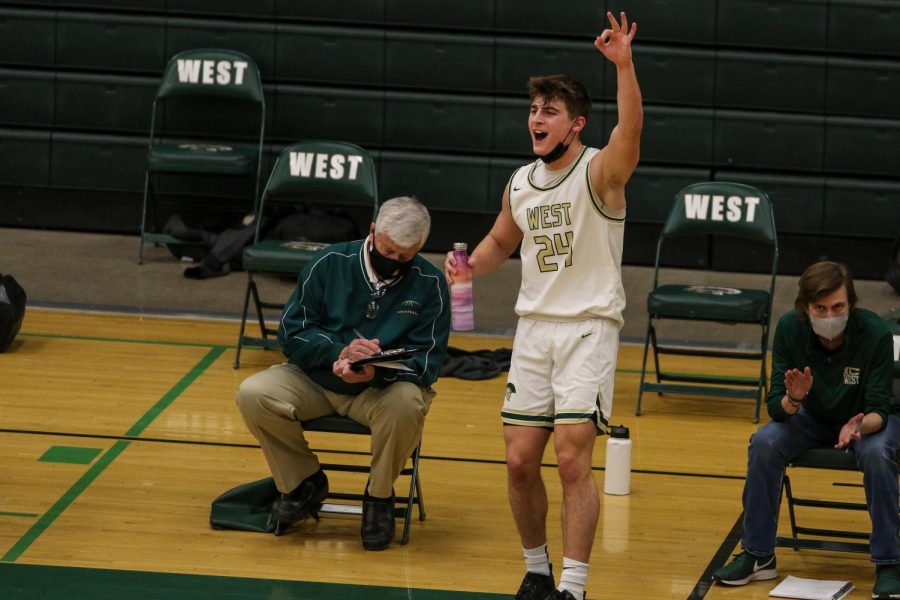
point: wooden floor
(117, 431)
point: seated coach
(352, 300)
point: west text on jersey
(553, 215)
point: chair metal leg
(413, 488)
(421, 498)
(237, 354)
(655, 344)
(144, 217)
(260, 317)
(763, 389)
(789, 496)
(637, 410)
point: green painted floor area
(70, 454)
(36, 582)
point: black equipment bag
(12, 310)
(245, 507)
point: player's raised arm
(613, 166)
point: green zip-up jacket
(327, 311)
(853, 379)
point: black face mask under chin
(385, 267)
(555, 154)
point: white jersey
(572, 245)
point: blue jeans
(778, 442)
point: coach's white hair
(405, 220)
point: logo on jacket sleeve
(851, 376)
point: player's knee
(522, 466)
(573, 467)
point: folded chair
(712, 210)
(345, 425)
(307, 172)
(208, 119)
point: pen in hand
(858, 427)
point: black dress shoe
(304, 500)
(377, 522)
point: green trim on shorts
(526, 419)
(602, 422)
(573, 418)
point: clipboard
(811, 589)
(387, 356)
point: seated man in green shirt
(831, 385)
(352, 300)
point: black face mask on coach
(385, 267)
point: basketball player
(567, 209)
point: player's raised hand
(615, 43)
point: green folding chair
(307, 172)
(350, 503)
(892, 318)
(712, 209)
(821, 538)
(203, 93)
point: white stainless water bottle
(462, 310)
(617, 479)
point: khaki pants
(273, 403)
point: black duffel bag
(12, 310)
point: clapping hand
(798, 383)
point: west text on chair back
(721, 207)
(212, 72)
(713, 209)
(324, 172)
(208, 119)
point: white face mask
(829, 327)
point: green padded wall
(112, 43)
(29, 37)
(27, 98)
(773, 24)
(328, 112)
(797, 97)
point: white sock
(537, 560)
(574, 577)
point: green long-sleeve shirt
(328, 310)
(852, 379)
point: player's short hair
(821, 279)
(572, 92)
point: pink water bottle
(462, 310)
